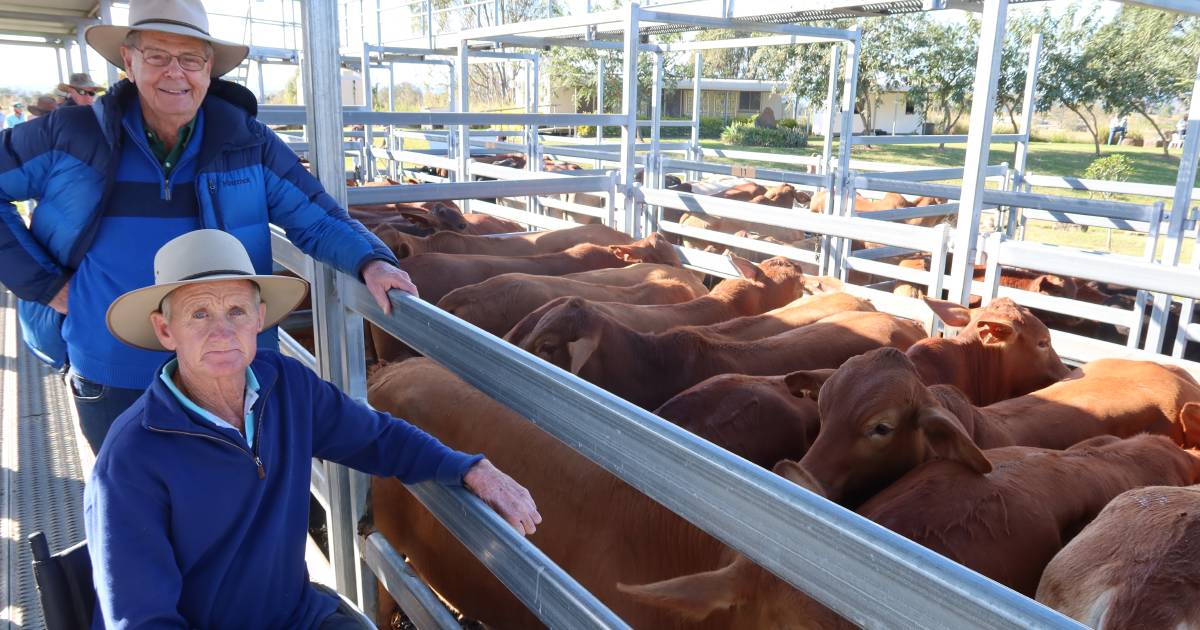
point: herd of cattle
(1068, 485)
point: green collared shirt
(167, 375)
(168, 159)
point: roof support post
(979, 140)
(81, 42)
(106, 18)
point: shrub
(746, 134)
(1114, 167)
(788, 123)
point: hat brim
(128, 317)
(38, 111)
(107, 40)
(62, 87)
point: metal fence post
(324, 121)
(368, 105)
(599, 103)
(1029, 104)
(830, 103)
(987, 66)
(463, 105)
(629, 109)
(697, 153)
(652, 173)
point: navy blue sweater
(183, 530)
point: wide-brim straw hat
(45, 104)
(80, 81)
(180, 17)
(196, 257)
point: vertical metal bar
(937, 275)
(81, 42)
(106, 18)
(830, 107)
(629, 110)
(262, 90)
(1180, 205)
(429, 26)
(324, 121)
(368, 103)
(464, 105)
(1148, 252)
(600, 102)
(697, 69)
(58, 50)
(846, 136)
(534, 153)
(987, 67)
(1028, 104)
(652, 175)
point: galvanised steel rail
(476, 190)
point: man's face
(212, 327)
(82, 97)
(168, 90)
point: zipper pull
(262, 474)
(166, 196)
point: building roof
(52, 19)
(737, 85)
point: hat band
(216, 272)
(172, 22)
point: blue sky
(34, 69)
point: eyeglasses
(93, 92)
(161, 58)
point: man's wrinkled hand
(504, 495)
(381, 277)
(59, 301)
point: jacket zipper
(165, 193)
(262, 473)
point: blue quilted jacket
(246, 177)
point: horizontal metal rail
(351, 117)
(417, 601)
(838, 557)
(901, 235)
(523, 216)
(1110, 209)
(665, 123)
(574, 208)
(1107, 186)
(477, 190)
(808, 34)
(414, 157)
(722, 238)
(749, 172)
(934, 139)
(1088, 220)
(916, 212)
(937, 174)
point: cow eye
(880, 430)
(1043, 344)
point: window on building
(749, 101)
(909, 106)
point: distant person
(80, 89)
(16, 117)
(1181, 126)
(1118, 126)
(46, 103)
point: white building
(894, 114)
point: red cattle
(770, 284)
(1001, 351)
(801, 312)
(532, 244)
(647, 369)
(1134, 566)
(878, 420)
(480, 224)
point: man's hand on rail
(59, 301)
(381, 277)
(510, 499)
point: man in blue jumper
(197, 507)
(170, 150)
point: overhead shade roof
(53, 18)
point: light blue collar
(167, 376)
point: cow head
(930, 201)
(878, 421)
(402, 245)
(652, 249)
(567, 335)
(435, 215)
(1007, 338)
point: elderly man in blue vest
(197, 507)
(169, 150)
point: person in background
(1118, 126)
(16, 117)
(170, 150)
(80, 89)
(46, 103)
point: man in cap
(176, 149)
(197, 507)
(16, 117)
(46, 103)
(80, 89)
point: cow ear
(418, 216)
(695, 597)
(822, 284)
(807, 383)
(950, 313)
(581, 351)
(1189, 419)
(799, 475)
(994, 332)
(627, 253)
(747, 269)
(949, 440)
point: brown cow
(437, 274)
(767, 285)
(801, 312)
(761, 418)
(878, 420)
(532, 244)
(417, 219)
(1134, 566)
(639, 273)
(480, 224)
(1001, 352)
(890, 201)
(782, 196)
(1006, 525)
(497, 304)
(597, 528)
(647, 368)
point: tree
(1144, 60)
(942, 75)
(1068, 77)
(575, 69)
(1014, 61)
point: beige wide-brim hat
(180, 17)
(196, 257)
(80, 81)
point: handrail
(840, 558)
(476, 190)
